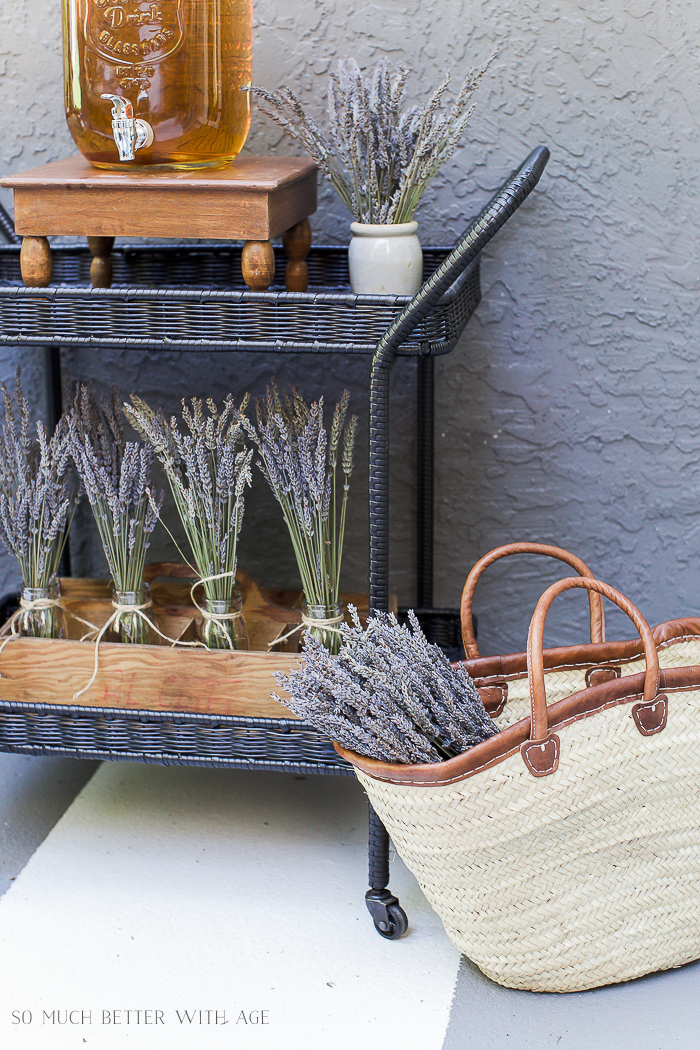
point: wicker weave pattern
(587, 877)
(564, 683)
(168, 739)
(191, 298)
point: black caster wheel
(390, 920)
(395, 924)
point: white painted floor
(168, 889)
(194, 890)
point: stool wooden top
(254, 198)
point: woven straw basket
(502, 680)
(564, 853)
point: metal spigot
(130, 132)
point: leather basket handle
(541, 753)
(597, 615)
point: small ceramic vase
(385, 260)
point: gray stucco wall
(569, 411)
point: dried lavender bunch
(303, 465)
(208, 470)
(379, 154)
(38, 492)
(389, 694)
(116, 475)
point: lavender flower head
(308, 469)
(208, 469)
(116, 475)
(389, 694)
(38, 492)
(379, 154)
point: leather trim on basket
(484, 669)
(489, 753)
(494, 697)
(651, 718)
(598, 675)
(541, 756)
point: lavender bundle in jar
(208, 470)
(116, 475)
(309, 472)
(38, 497)
(389, 694)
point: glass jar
(162, 84)
(40, 615)
(223, 625)
(133, 628)
(329, 617)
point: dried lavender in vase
(379, 154)
(116, 475)
(208, 469)
(389, 694)
(38, 497)
(309, 473)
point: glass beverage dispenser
(162, 84)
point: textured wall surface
(569, 411)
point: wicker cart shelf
(191, 298)
(223, 742)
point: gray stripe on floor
(34, 795)
(659, 1012)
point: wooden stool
(253, 199)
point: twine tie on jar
(37, 605)
(220, 618)
(119, 610)
(327, 624)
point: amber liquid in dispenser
(184, 66)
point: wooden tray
(158, 677)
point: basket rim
(481, 757)
(508, 666)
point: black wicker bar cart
(180, 297)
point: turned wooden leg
(297, 242)
(35, 262)
(258, 265)
(101, 265)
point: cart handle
(7, 227)
(492, 217)
(516, 188)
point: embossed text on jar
(179, 68)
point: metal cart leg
(389, 917)
(390, 920)
(480, 231)
(54, 386)
(425, 424)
